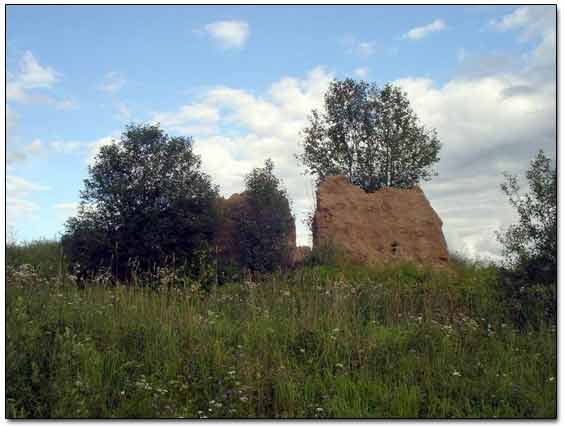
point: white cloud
(534, 23)
(361, 72)
(31, 75)
(229, 34)
(196, 118)
(419, 33)
(267, 126)
(113, 81)
(531, 21)
(488, 124)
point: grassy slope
(319, 342)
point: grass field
(318, 342)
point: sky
(241, 80)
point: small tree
(369, 135)
(264, 230)
(530, 244)
(145, 202)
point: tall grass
(318, 342)
(45, 255)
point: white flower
(456, 373)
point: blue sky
(241, 81)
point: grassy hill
(325, 341)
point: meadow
(330, 340)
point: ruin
(388, 225)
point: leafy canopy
(145, 200)
(371, 136)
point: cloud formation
(31, 75)
(228, 34)
(419, 33)
(247, 128)
(489, 122)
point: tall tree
(145, 200)
(264, 230)
(371, 136)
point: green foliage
(319, 342)
(371, 136)
(530, 247)
(265, 228)
(145, 203)
(530, 244)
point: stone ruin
(381, 227)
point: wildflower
(551, 379)
(319, 410)
(456, 373)
(244, 399)
(339, 365)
